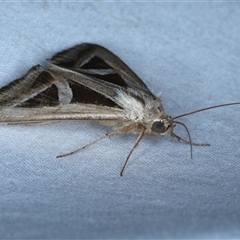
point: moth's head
(163, 126)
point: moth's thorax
(146, 111)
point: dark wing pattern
(95, 74)
(97, 61)
(31, 89)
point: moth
(88, 82)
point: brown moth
(88, 82)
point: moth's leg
(140, 136)
(89, 144)
(121, 130)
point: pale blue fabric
(188, 52)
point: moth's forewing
(78, 78)
(88, 56)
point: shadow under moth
(88, 82)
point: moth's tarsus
(140, 136)
(87, 145)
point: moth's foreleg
(140, 136)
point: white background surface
(190, 53)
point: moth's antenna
(189, 137)
(196, 111)
(207, 108)
(188, 133)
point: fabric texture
(188, 52)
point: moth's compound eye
(158, 127)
